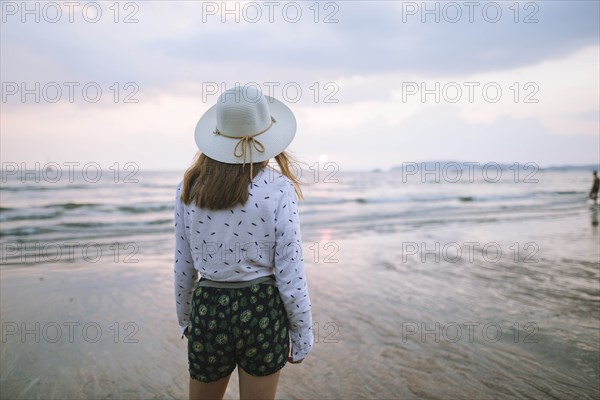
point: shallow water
(508, 309)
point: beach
(420, 290)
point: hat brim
(275, 140)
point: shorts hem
(207, 380)
(264, 373)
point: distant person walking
(595, 187)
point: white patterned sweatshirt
(259, 238)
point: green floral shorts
(228, 327)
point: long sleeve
(185, 273)
(290, 275)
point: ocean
(435, 280)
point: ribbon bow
(247, 142)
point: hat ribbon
(247, 141)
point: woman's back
(245, 242)
(239, 243)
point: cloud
(368, 55)
(171, 42)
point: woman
(237, 227)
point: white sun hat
(245, 126)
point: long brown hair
(214, 185)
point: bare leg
(257, 387)
(208, 391)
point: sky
(373, 84)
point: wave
(161, 221)
(83, 227)
(25, 217)
(312, 204)
(38, 187)
(465, 198)
(25, 231)
(58, 209)
(373, 200)
(144, 209)
(71, 206)
(84, 224)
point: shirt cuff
(182, 329)
(301, 345)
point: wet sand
(99, 331)
(119, 336)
